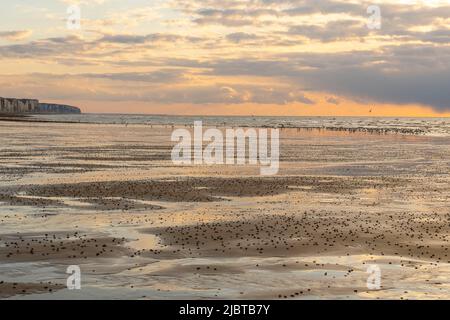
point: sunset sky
(260, 57)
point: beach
(106, 196)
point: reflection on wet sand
(140, 227)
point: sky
(230, 57)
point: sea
(405, 125)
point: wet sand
(140, 227)
(13, 289)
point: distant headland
(19, 106)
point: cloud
(165, 87)
(239, 37)
(84, 2)
(149, 38)
(229, 17)
(338, 19)
(332, 31)
(45, 48)
(333, 100)
(160, 76)
(430, 89)
(75, 46)
(409, 74)
(16, 35)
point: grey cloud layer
(156, 87)
(403, 75)
(397, 19)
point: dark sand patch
(108, 204)
(208, 189)
(104, 149)
(147, 157)
(200, 269)
(19, 248)
(11, 289)
(303, 266)
(101, 204)
(308, 292)
(86, 166)
(143, 190)
(21, 171)
(422, 236)
(31, 202)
